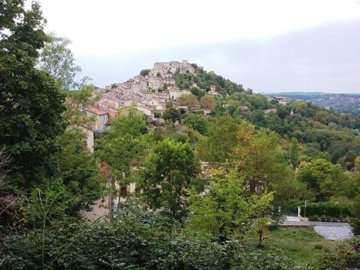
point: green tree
(221, 141)
(258, 159)
(31, 105)
(125, 145)
(207, 102)
(188, 100)
(322, 178)
(77, 172)
(197, 122)
(294, 153)
(172, 114)
(144, 72)
(197, 92)
(260, 163)
(77, 100)
(355, 222)
(57, 60)
(166, 177)
(225, 210)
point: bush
(355, 224)
(157, 114)
(324, 209)
(345, 257)
(273, 226)
(130, 243)
(144, 72)
(314, 218)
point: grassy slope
(302, 245)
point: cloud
(325, 58)
(112, 26)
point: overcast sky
(266, 45)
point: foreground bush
(128, 243)
(345, 257)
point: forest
(210, 188)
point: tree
(258, 159)
(188, 100)
(207, 102)
(144, 72)
(197, 92)
(322, 178)
(172, 114)
(221, 141)
(57, 60)
(225, 210)
(77, 101)
(78, 173)
(10, 206)
(125, 145)
(355, 222)
(166, 177)
(294, 153)
(197, 122)
(31, 105)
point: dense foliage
(30, 103)
(42, 158)
(202, 81)
(136, 241)
(345, 257)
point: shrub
(144, 72)
(314, 218)
(355, 224)
(138, 240)
(328, 209)
(345, 257)
(273, 226)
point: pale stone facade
(148, 93)
(175, 94)
(100, 118)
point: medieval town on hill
(148, 92)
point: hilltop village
(148, 92)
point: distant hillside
(340, 102)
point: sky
(265, 45)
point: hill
(165, 83)
(177, 90)
(340, 102)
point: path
(334, 232)
(328, 230)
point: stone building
(100, 118)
